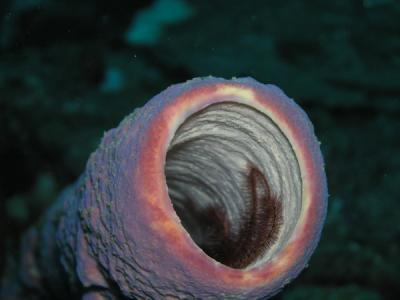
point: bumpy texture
(114, 234)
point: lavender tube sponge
(214, 189)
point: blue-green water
(69, 70)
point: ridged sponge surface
(215, 189)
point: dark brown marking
(259, 224)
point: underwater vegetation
(214, 188)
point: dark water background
(69, 70)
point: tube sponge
(214, 189)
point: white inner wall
(207, 163)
